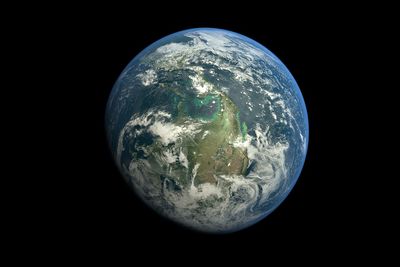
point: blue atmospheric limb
(209, 128)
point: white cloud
(149, 77)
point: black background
(85, 202)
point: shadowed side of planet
(209, 128)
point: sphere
(209, 128)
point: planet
(209, 129)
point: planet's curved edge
(295, 88)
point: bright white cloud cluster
(149, 77)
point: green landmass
(212, 148)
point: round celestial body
(209, 128)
